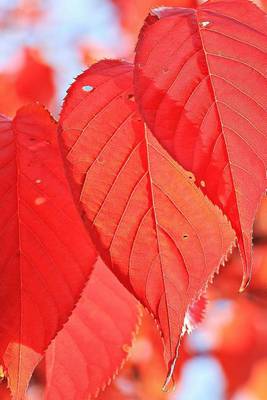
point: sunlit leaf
(201, 85)
(94, 344)
(45, 256)
(152, 225)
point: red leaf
(97, 337)
(45, 255)
(206, 101)
(260, 225)
(132, 13)
(195, 313)
(238, 353)
(154, 228)
(35, 80)
(9, 99)
(226, 284)
(31, 81)
(4, 392)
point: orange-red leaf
(152, 225)
(92, 347)
(202, 88)
(9, 99)
(195, 313)
(4, 392)
(34, 81)
(132, 13)
(45, 257)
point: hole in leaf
(88, 88)
(203, 24)
(190, 176)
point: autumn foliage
(117, 215)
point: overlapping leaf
(45, 257)
(152, 225)
(202, 88)
(144, 372)
(90, 350)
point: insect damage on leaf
(158, 154)
(46, 257)
(209, 108)
(152, 225)
(88, 88)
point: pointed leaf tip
(169, 384)
(157, 242)
(245, 282)
(213, 87)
